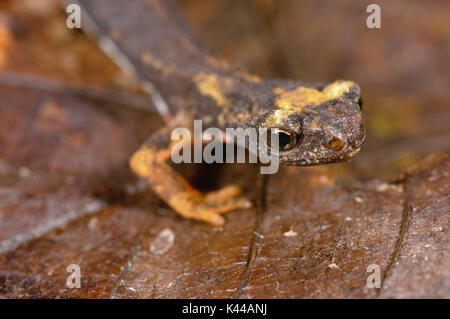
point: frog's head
(317, 126)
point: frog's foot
(223, 195)
(210, 206)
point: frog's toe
(233, 204)
(211, 212)
(223, 195)
(211, 206)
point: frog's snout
(347, 143)
(357, 139)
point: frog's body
(320, 124)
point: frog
(314, 123)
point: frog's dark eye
(286, 140)
(360, 103)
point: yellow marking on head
(300, 97)
(209, 85)
(277, 118)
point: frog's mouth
(347, 156)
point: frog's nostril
(335, 144)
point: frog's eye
(287, 140)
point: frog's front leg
(150, 162)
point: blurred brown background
(67, 195)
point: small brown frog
(315, 124)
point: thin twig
(113, 96)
